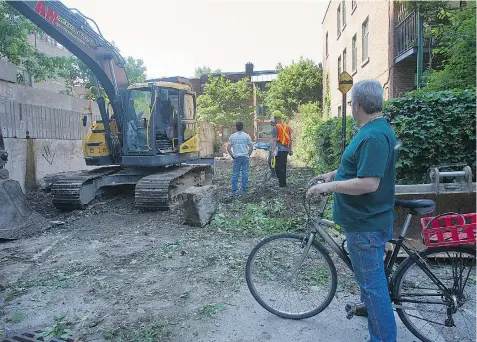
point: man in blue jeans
(240, 148)
(363, 188)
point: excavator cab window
(140, 105)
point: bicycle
(285, 272)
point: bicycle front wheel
(429, 312)
(289, 281)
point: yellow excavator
(149, 139)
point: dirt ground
(112, 273)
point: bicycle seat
(421, 206)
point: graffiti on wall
(48, 155)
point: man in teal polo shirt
(363, 188)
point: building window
(264, 132)
(339, 111)
(353, 4)
(365, 39)
(338, 18)
(343, 11)
(326, 44)
(261, 110)
(354, 53)
(344, 60)
(339, 66)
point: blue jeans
(240, 164)
(366, 251)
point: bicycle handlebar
(307, 201)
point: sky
(173, 37)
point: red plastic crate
(449, 230)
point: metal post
(420, 49)
(343, 124)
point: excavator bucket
(17, 219)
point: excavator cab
(159, 127)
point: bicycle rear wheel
(285, 286)
(426, 311)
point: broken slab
(17, 219)
(200, 204)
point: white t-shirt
(240, 141)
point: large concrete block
(200, 205)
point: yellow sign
(345, 82)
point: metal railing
(406, 35)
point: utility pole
(345, 82)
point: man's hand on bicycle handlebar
(325, 177)
(318, 187)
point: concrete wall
(32, 159)
(379, 51)
(53, 122)
(28, 95)
(8, 71)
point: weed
(167, 251)
(156, 331)
(57, 330)
(210, 310)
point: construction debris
(200, 204)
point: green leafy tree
(456, 45)
(204, 70)
(305, 128)
(14, 46)
(224, 102)
(135, 69)
(76, 73)
(297, 84)
(327, 99)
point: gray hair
(369, 95)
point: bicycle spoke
(289, 279)
(439, 313)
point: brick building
(371, 39)
(261, 129)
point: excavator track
(75, 192)
(159, 190)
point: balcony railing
(406, 35)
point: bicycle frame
(390, 258)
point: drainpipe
(420, 48)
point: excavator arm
(72, 30)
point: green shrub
(435, 128)
(305, 126)
(329, 142)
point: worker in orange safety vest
(281, 146)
